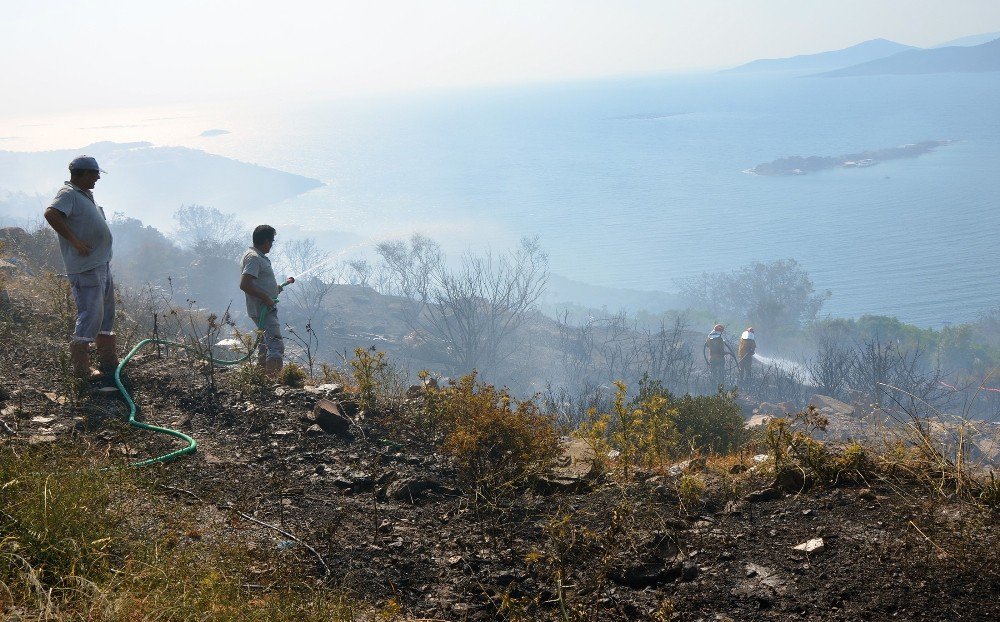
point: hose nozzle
(287, 282)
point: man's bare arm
(57, 220)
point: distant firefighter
(717, 349)
(748, 345)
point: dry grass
(82, 543)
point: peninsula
(802, 165)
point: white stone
(811, 546)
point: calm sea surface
(638, 182)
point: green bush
(376, 381)
(710, 422)
(291, 375)
(690, 488)
(642, 431)
(655, 427)
(790, 442)
(249, 379)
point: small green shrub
(292, 375)
(333, 375)
(795, 450)
(376, 380)
(710, 422)
(642, 431)
(368, 365)
(690, 488)
(989, 494)
(852, 458)
(249, 379)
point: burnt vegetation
(626, 488)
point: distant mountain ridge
(825, 61)
(970, 40)
(954, 59)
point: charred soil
(381, 516)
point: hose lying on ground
(192, 444)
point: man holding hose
(261, 288)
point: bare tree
(475, 310)
(210, 233)
(408, 270)
(410, 266)
(306, 296)
(873, 362)
(617, 349)
(880, 367)
(215, 241)
(775, 295)
(667, 356)
(778, 383)
(831, 368)
(576, 346)
(360, 272)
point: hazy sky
(65, 55)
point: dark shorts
(94, 293)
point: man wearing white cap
(85, 242)
(748, 345)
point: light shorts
(272, 344)
(94, 293)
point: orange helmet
(719, 327)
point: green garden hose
(191, 443)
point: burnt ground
(389, 519)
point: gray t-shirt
(86, 220)
(257, 265)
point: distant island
(648, 116)
(801, 165)
(214, 132)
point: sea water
(639, 182)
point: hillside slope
(376, 510)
